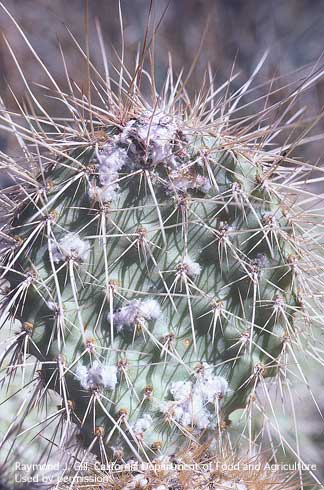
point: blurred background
(225, 33)
(231, 32)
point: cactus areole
(153, 266)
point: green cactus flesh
(154, 276)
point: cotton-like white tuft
(192, 268)
(150, 309)
(82, 374)
(182, 181)
(202, 184)
(97, 376)
(180, 414)
(111, 160)
(188, 407)
(152, 135)
(137, 482)
(181, 390)
(127, 316)
(191, 405)
(143, 424)
(103, 194)
(179, 181)
(109, 377)
(71, 246)
(157, 131)
(212, 387)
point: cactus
(159, 266)
(154, 279)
